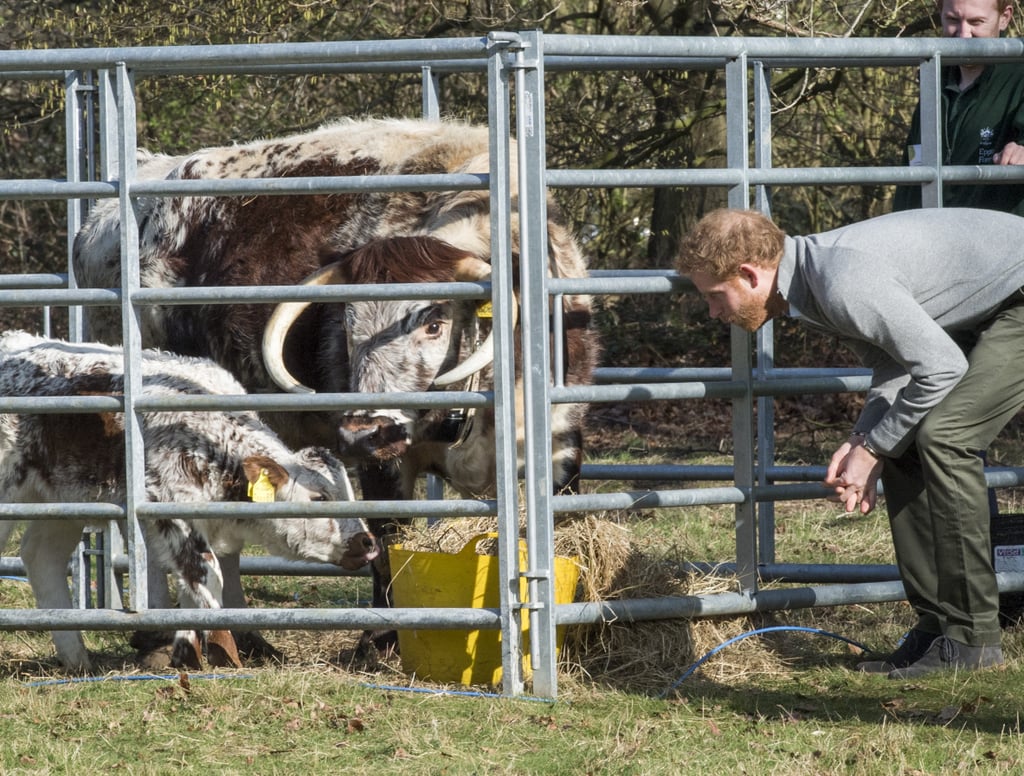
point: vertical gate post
(108, 167)
(536, 332)
(766, 334)
(931, 128)
(507, 469)
(135, 475)
(737, 127)
(77, 163)
(431, 100)
(430, 107)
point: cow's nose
(369, 437)
(357, 443)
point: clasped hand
(853, 475)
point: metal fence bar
(536, 335)
(76, 105)
(135, 474)
(744, 451)
(562, 52)
(504, 301)
(765, 357)
(931, 129)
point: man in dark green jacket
(982, 113)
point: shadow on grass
(790, 678)
(974, 702)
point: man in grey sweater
(931, 301)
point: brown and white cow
(363, 346)
(190, 456)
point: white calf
(191, 456)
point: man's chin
(749, 326)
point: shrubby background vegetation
(824, 117)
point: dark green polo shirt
(977, 123)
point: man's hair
(726, 238)
(1001, 5)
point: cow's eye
(434, 329)
(319, 497)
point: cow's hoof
(145, 641)
(384, 642)
(154, 650)
(221, 651)
(187, 653)
(253, 647)
(155, 659)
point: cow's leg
(186, 554)
(45, 549)
(250, 643)
(159, 590)
(380, 483)
(153, 648)
(6, 528)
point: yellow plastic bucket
(462, 579)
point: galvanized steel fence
(100, 87)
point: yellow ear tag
(484, 310)
(263, 489)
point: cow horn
(481, 357)
(281, 321)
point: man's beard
(750, 316)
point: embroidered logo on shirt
(986, 149)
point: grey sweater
(902, 290)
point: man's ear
(750, 274)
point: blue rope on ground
(132, 678)
(756, 632)
(462, 693)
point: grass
(825, 720)
(784, 702)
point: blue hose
(132, 678)
(466, 693)
(462, 693)
(756, 632)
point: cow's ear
(255, 465)
(470, 268)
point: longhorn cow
(374, 346)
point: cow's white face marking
(397, 346)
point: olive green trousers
(936, 495)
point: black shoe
(910, 650)
(946, 654)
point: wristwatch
(865, 444)
(870, 448)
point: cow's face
(394, 347)
(314, 475)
